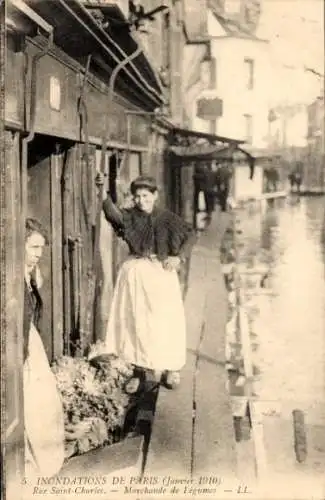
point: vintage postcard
(162, 249)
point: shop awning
(193, 145)
(239, 155)
(203, 151)
(211, 138)
(235, 155)
(260, 154)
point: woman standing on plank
(147, 323)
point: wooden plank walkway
(193, 429)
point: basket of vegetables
(95, 397)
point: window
(134, 165)
(208, 73)
(55, 93)
(249, 73)
(248, 119)
(205, 74)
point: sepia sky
(295, 29)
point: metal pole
(105, 140)
(106, 134)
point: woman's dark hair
(34, 226)
(144, 182)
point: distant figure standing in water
(223, 176)
(272, 179)
(295, 177)
(146, 324)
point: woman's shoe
(172, 379)
(132, 385)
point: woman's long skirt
(146, 325)
(43, 412)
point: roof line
(199, 40)
(70, 6)
(242, 37)
(224, 21)
(150, 88)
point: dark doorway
(45, 160)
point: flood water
(287, 334)
(289, 331)
(293, 351)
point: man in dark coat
(223, 175)
(295, 176)
(204, 181)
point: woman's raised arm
(112, 213)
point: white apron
(43, 412)
(146, 325)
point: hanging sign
(209, 108)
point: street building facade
(179, 91)
(232, 53)
(296, 133)
(111, 104)
(72, 109)
(315, 168)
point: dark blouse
(162, 232)
(33, 306)
(204, 180)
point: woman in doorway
(147, 322)
(43, 412)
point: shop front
(190, 153)
(65, 119)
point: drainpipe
(26, 140)
(83, 119)
(32, 115)
(105, 140)
(31, 134)
(117, 69)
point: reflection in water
(291, 324)
(269, 223)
